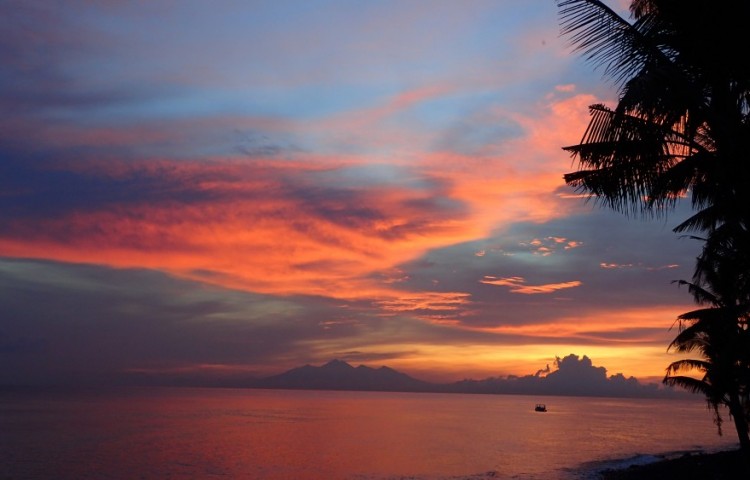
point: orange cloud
(516, 181)
(443, 301)
(518, 285)
(293, 226)
(251, 226)
(630, 328)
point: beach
(727, 465)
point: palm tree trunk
(740, 423)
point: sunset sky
(235, 188)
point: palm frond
(628, 162)
(639, 8)
(714, 397)
(606, 39)
(702, 221)
(661, 93)
(701, 295)
(704, 315)
(690, 339)
(678, 179)
(688, 364)
(692, 385)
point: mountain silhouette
(339, 375)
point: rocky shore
(728, 465)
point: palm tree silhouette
(681, 126)
(720, 334)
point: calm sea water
(159, 433)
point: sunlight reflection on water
(268, 434)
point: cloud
(426, 301)
(549, 245)
(639, 266)
(518, 285)
(300, 223)
(270, 228)
(578, 376)
(630, 326)
(570, 375)
(566, 88)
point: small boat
(540, 407)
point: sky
(235, 188)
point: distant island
(569, 376)
(572, 376)
(339, 375)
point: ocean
(186, 433)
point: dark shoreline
(727, 465)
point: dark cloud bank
(571, 375)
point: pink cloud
(416, 301)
